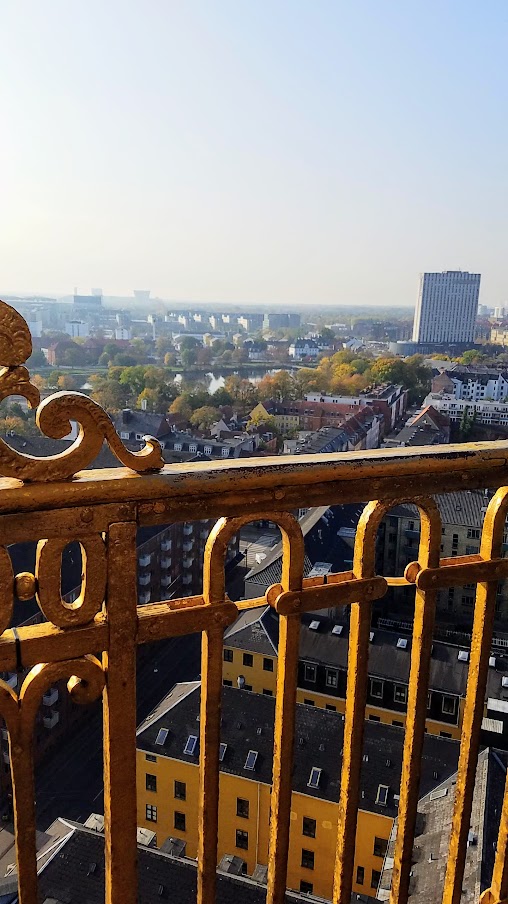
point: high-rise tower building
(447, 307)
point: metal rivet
(25, 585)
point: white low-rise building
(483, 411)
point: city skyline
(296, 154)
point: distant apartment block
(473, 383)
(447, 307)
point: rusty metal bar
(205, 490)
(492, 537)
(498, 891)
(421, 648)
(119, 713)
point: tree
(189, 342)
(39, 381)
(110, 394)
(36, 359)
(258, 419)
(66, 382)
(222, 397)
(241, 390)
(203, 418)
(181, 406)
(188, 356)
(204, 356)
(170, 359)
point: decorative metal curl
(54, 417)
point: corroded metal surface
(101, 510)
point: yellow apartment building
(167, 785)
(250, 661)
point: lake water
(216, 380)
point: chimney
(126, 415)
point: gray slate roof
(247, 724)
(67, 876)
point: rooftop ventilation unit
(402, 643)
(463, 656)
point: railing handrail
(341, 477)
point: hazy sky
(262, 151)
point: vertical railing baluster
(283, 745)
(356, 698)
(23, 792)
(120, 718)
(421, 648)
(209, 731)
(492, 537)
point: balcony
(188, 530)
(166, 545)
(188, 563)
(104, 512)
(187, 547)
(186, 580)
(166, 562)
(51, 697)
(144, 597)
(166, 580)
(144, 580)
(51, 720)
(145, 560)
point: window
(331, 707)
(473, 533)
(376, 688)
(193, 447)
(225, 452)
(247, 687)
(227, 683)
(150, 782)
(448, 705)
(150, 758)
(242, 807)
(472, 550)
(177, 447)
(242, 839)
(268, 665)
(315, 775)
(380, 845)
(190, 746)
(382, 795)
(332, 678)
(207, 450)
(162, 735)
(306, 888)
(307, 859)
(400, 693)
(467, 601)
(151, 813)
(374, 718)
(397, 724)
(180, 790)
(309, 827)
(309, 672)
(179, 821)
(248, 659)
(250, 762)
(228, 655)
(222, 751)
(360, 875)
(309, 702)
(374, 879)
(267, 692)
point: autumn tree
(66, 382)
(203, 418)
(181, 407)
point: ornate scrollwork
(54, 417)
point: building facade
(447, 307)
(168, 779)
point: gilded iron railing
(47, 500)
